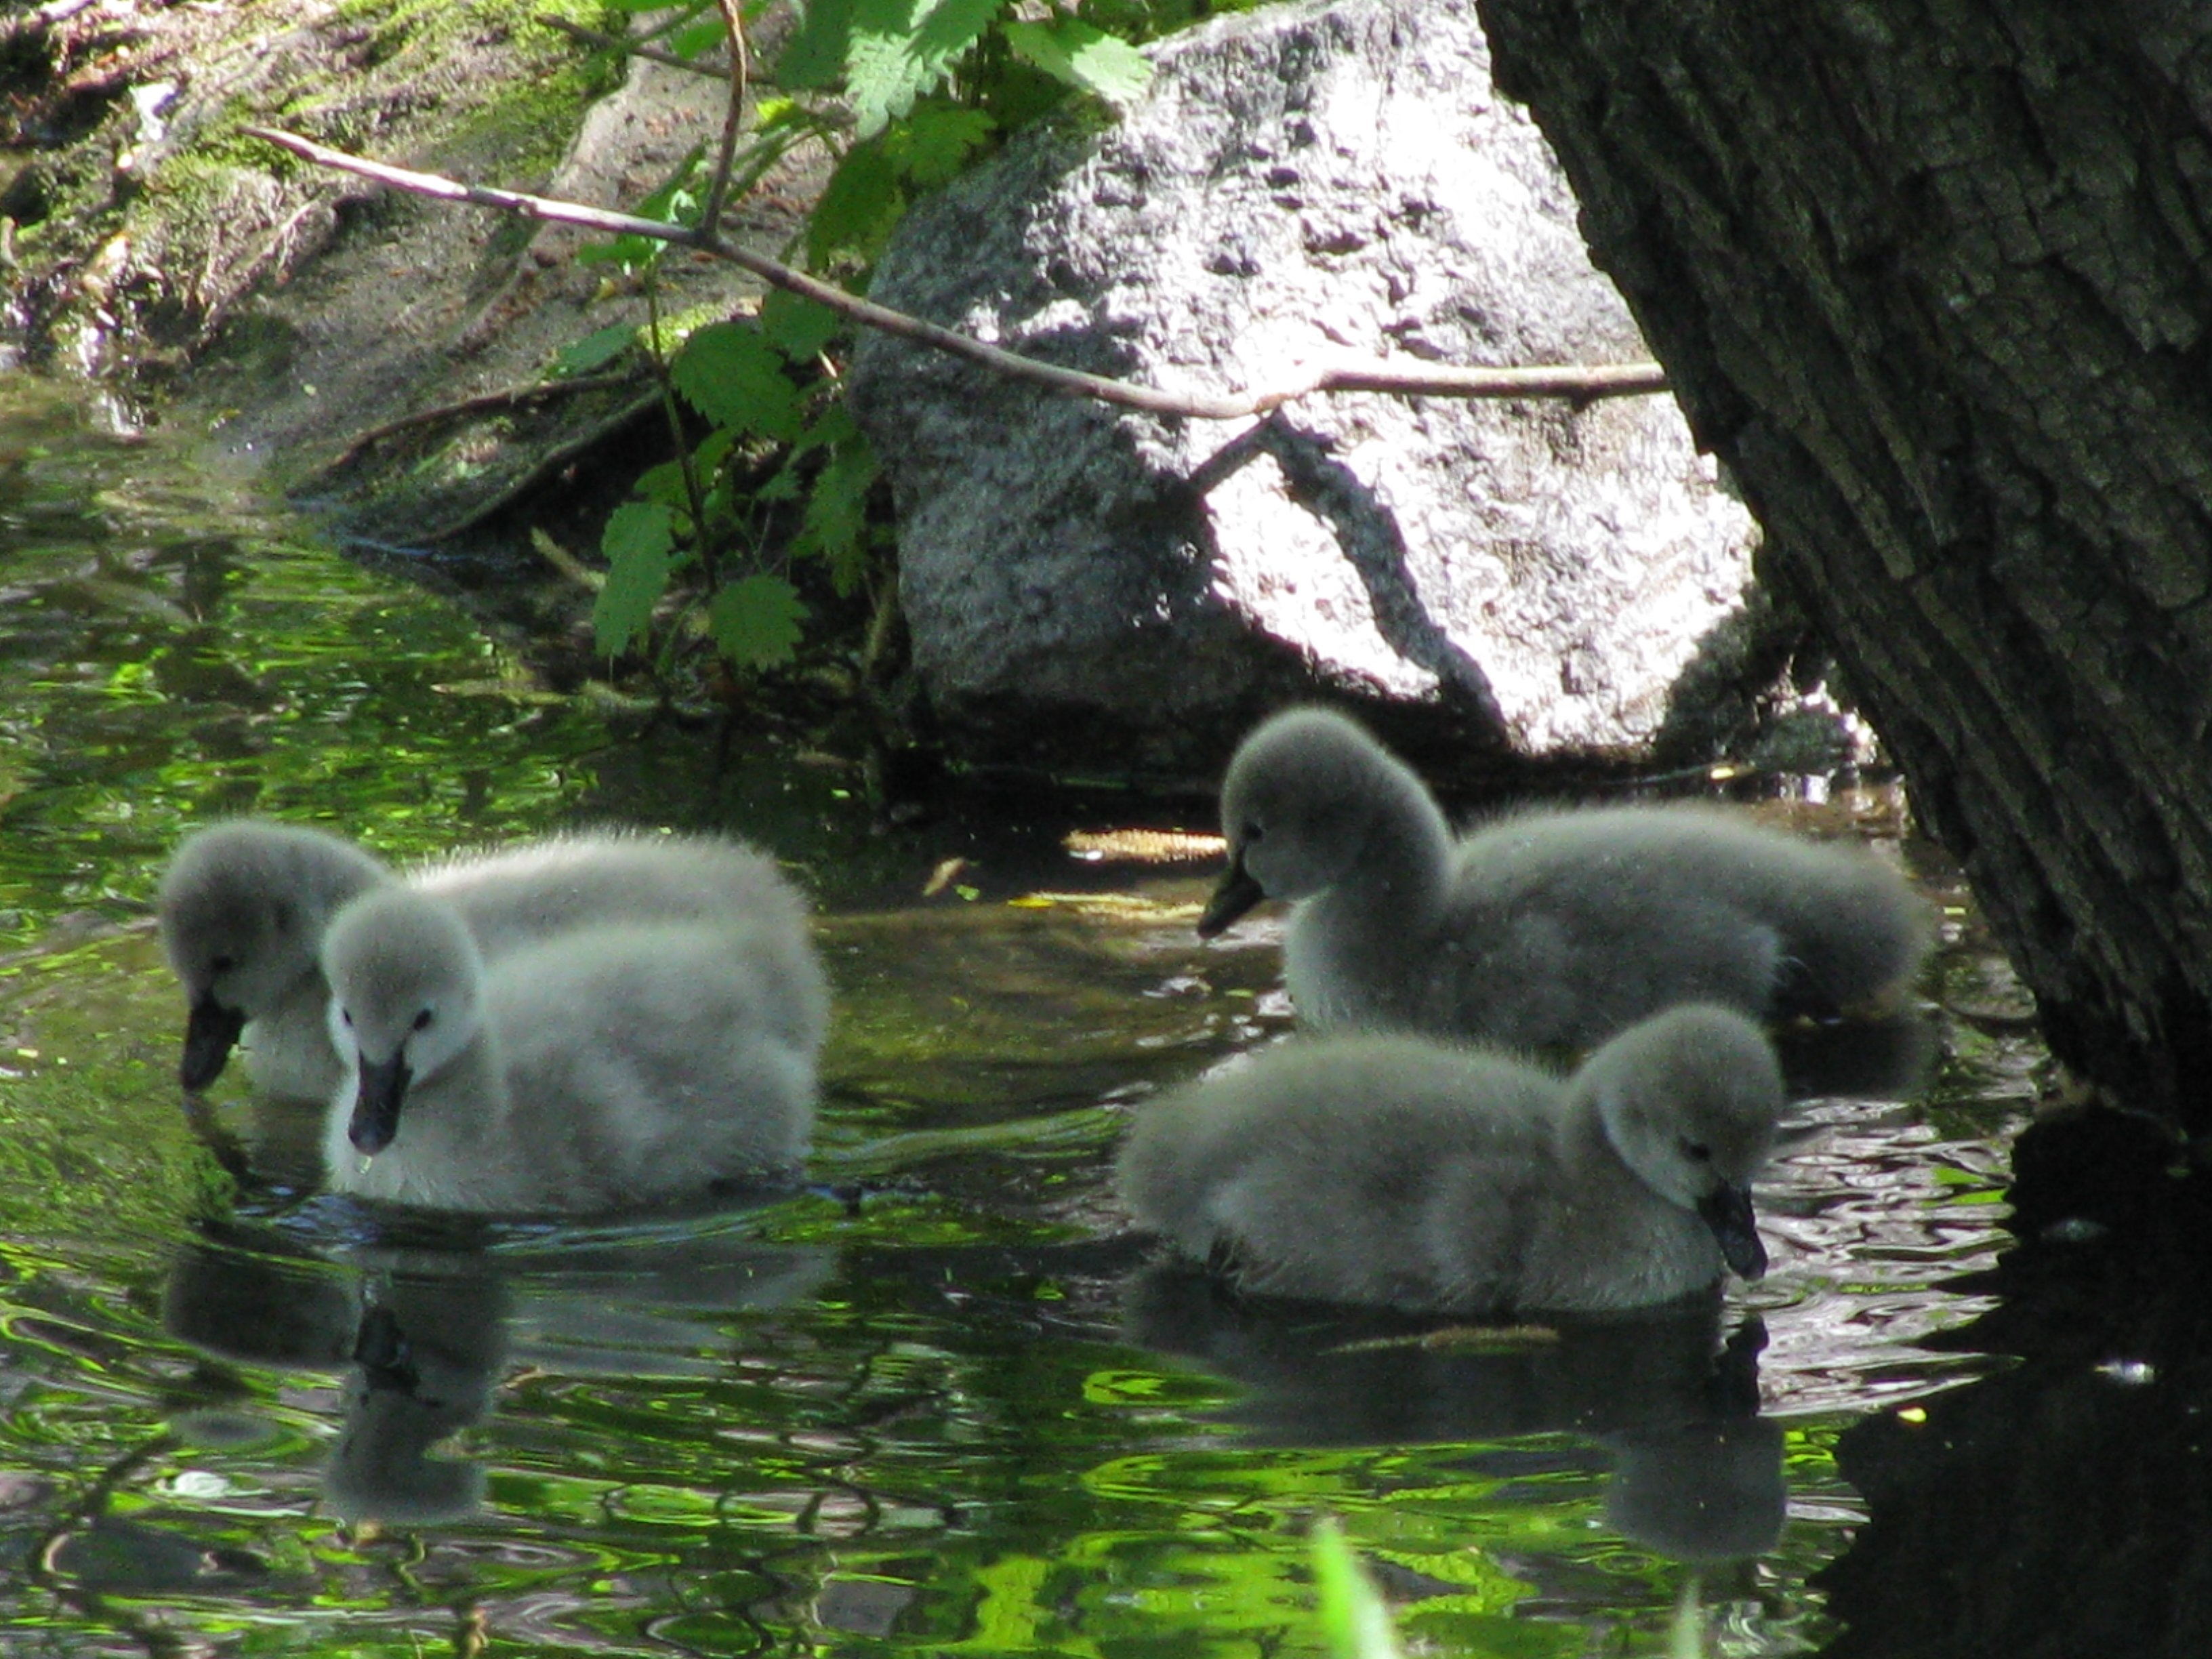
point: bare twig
(622, 43)
(518, 397)
(1336, 373)
(710, 218)
(543, 468)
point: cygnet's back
(1551, 928)
(526, 895)
(245, 906)
(601, 1068)
(1399, 1172)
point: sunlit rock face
(1301, 180)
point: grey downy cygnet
(245, 904)
(597, 1069)
(1546, 928)
(1396, 1171)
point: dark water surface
(958, 1415)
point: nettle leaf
(664, 483)
(798, 328)
(858, 208)
(734, 377)
(697, 40)
(814, 56)
(835, 526)
(1086, 57)
(595, 351)
(901, 49)
(937, 140)
(640, 544)
(755, 621)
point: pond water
(940, 1403)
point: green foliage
(755, 622)
(1085, 57)
(906, 94)
(896, 50)
(639, 544)
(732, 376)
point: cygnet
(600, 1068)
(1395, 1171)
(1548, 928)
(245, 904)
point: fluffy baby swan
(1398, 1172)
(245, 904)
(243, 907)
(600, 1068)
(1546, 928)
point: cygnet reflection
(1696, 1476)
(425, 1337)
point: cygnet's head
(1301, 806)
(241, 908)
(405, 985)
(1689, 1100)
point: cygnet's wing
(1564, 927)
(653, 1058)
(1377, 1170)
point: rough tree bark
(1934, 278)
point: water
(940, 1405)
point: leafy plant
(907, 94)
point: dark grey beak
(210, 1033)
(376, 1106)
(1237, 894)
(1728, 1212)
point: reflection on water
(936, 1404)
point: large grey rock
(1300, 179)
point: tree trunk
(1935, 280)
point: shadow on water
(940, 1401)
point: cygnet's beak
(210, 1033)
(1728, 1212)
(1237, 894)
(376, 1106)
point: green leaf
(798, 328)
(814, 56)
(901, 49)
(664, 483)
(937, 140)
(755, 621)
(858, 208)
(595, 351)
(697, 40)
(640, 544)
(734, 377)
(835, 526)
(1353, 1616)
(1084, 57)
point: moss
(481, 89)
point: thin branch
(710, 218)
(1336, 373)
(519, 396)
(623, 43)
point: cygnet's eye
(222, 964)
(1697, 1151)
(422, 1020)
(1253, 831)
